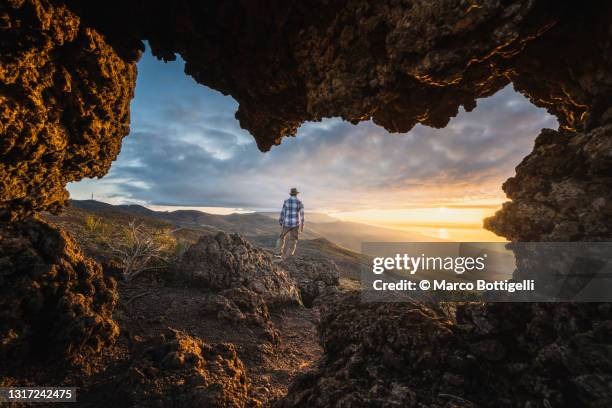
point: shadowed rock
(55, 304)
(503, 355)
(178, 370)
(238, 305)
(242, 281)
(242, 306)
(562, 190)
(314, 276)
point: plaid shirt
(292, 214)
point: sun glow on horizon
(457, 222)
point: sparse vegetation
(100, 227)
(96, 228)
(125, 243)
(141, 249)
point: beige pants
(288, 241)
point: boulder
(314, 276)
(224, 261)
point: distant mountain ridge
(332, 239)
(346, 234)
(310, 216)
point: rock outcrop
(178, 370)
(396, 63)
(228, 261)
(238, 305)
(314, 276)
(242, 306)
(64, 104)
(55, 303)
(67, 70)
(503, 355)
(562, 190)
(241, 281)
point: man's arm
(282, 214)
(302, 217)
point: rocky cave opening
(171, 115)
(67, 76)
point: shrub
(140, 249)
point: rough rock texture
(398, 63)
(66, 78)
(64, 104)
(242, 306)
(314, 277)
(225, 261)
(67, 73)
(177, 370)
(501, 355)
(242, 281)
(237, 305)
(562, 190)
(54, 302)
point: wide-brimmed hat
(294, 191)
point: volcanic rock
(314, 276)
(64, 104)
(508, 355)
(562, 191)
(178, 370)
(67, 70)
(67, 73)
(237, 305)
(55, 303)
(224, 261)
(242, 306)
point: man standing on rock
(292, 220)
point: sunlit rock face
(178, 370)
(64, 104)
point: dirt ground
(147, 308)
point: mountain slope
(351, 234)
(265, 226)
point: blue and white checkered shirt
(292, 214)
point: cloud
(186, 148)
